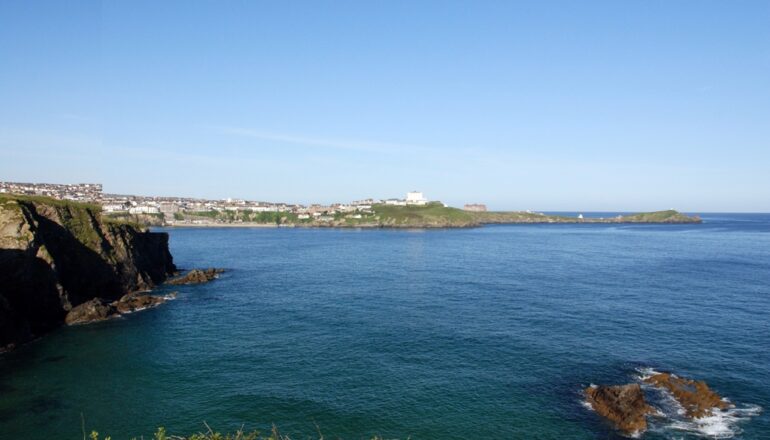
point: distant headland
(413, 211)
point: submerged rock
(197, 276)
(696, 397)
(97, 309)
(623, 405)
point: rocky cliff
(55, 255)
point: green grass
(669, 216)
(44, 200)
(77, 217)
(209, 214)
(246, 216)
(433, 213)
(514, 217)
(81, 219)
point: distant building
(114, 207)
(415, 198)
(143, 209)
(475, 207)
(84, 192)
(168, 208)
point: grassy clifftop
(430, 215)
(669, 216)
(82, 220)
(501, 217)
(55, 255)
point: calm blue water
(444, 334)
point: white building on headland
(415, 198)
(143, 209)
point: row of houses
(168, 206)
(81, 192)
(147, 205)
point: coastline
(226, 225)
(448, 223)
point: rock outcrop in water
(196, 276)
(697, 399)
(134, 302)
(99, 309)
(56, 255)
(623, 405)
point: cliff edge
(55, 255)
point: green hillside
(433, 214)
(669, 216)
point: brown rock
(197, 276)
(695, 396)
(623, 405)
(94, 310)
(133, 302)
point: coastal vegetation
(230, 217)
(502, 217)
(76, 217)
(669, 216)
(430, 215)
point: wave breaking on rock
(669, 405)
(689, 406)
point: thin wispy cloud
(307, 141)
(26, 140)
(74, 117)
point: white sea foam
(584, 402)
(672, 417)
(646, 373)
(720, 424)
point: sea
(483, 333)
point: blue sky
(632, 105)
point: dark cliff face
(56, 255)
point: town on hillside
(195, 211)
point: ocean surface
(486, 333)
